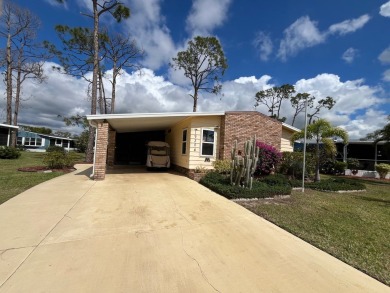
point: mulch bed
(45, 169)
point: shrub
(269, 157)
(333, 167)
(353, 164)
(291, 164)
(336, 184)
(276, 179)
(221, 185)
(55, 148)
(9, 152)
(382, 169)
(59, 160)
(222, 166)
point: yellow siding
(286, 145)
(197, 124)
(174, 138)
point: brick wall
(241, 126)
(111, 147)
(101, 151)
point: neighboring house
(38, 142)
(5, 134)
(287, 132)
(196, 139)
(367, 152)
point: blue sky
(327, 48)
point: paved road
(154, 232)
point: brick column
(111, 147)
(101, 151)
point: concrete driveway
(154, 232)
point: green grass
(13, 182)
(353, 227)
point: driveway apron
(140, 231)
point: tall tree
(23, 57)
(382, 134)
(323, 133)
(272, 98)
(122, 51)
(298, 103)
(14, 23)
(204, 63)
(118, 12)
(326, 103)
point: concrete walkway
(154, 232)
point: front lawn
(13, 182)
(353, 227)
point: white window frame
(55, 142)
(201, 142)
(184, 142)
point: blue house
(5, 133)
(39, 142)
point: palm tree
(322, 132)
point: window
(184, 142)
(31, 141)
(207, 148)
(19, 141)
(58, 142)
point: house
(196, 139)
(39, 142)
(5, 134)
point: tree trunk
(293, 121)
(89, 155)
(114, 74)
(195, 100)
(17, 101)
(9, 81)
(102, 108)
(317, 178)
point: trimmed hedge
(336, 184)
(9, 153)
(261, 189)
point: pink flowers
(269, 157)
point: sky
(326, 48)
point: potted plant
(353, 165)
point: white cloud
(148, 27)
(145, 91)
(55, 3)
(303, 33)
(384, 57)
(386, 75)
(349, 25)
(385, 9)
(263, 45)
(206, 15)
(349, 55)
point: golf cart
(158, 155)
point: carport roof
(136, 122)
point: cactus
(244, 166)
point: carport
(121, 138)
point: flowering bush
(269, 157)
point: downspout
(9, 135)
(345, 152)
(94, 125)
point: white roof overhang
(138, 122)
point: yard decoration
(243, 166)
